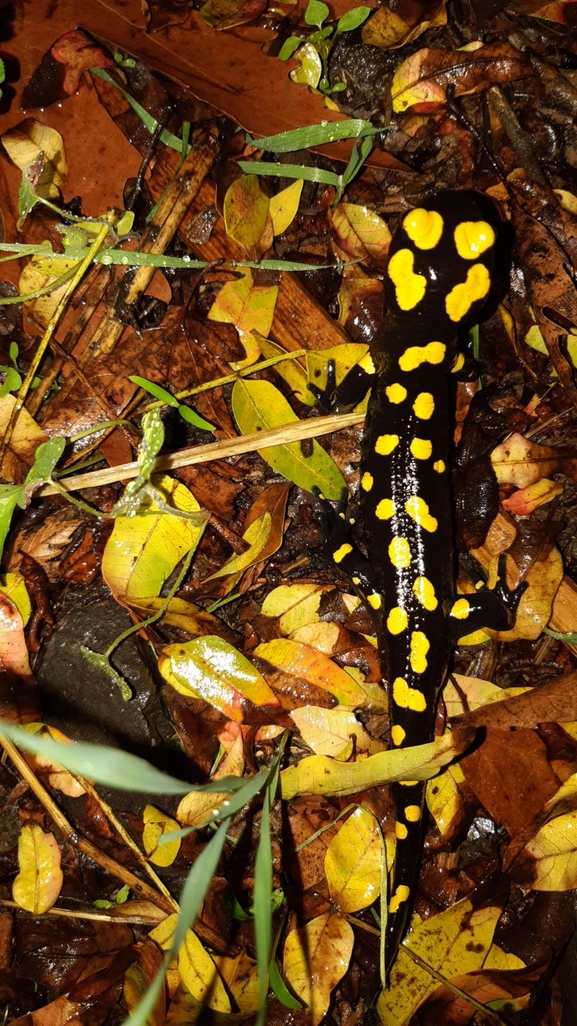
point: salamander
(439, 279)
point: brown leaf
(550, 703)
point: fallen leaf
(40, 879)
(354, 861)
(315, 958)
(156, 825)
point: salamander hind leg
(494, 608)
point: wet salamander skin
(438, 279)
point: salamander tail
(409, 803)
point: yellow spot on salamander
(412, 813)
(396, 393)
(340, 554)
(400, 553)
(356, 580)
(418, 510)
(424, 227)
(458, 363)
(401, 894)
(367, 364)
(367, 481)
(420, 645)
(408, 783)
(425, 593)
(401, 832)
(416, 356)
(424, 406)
(385, 444)
(409, 287)
(397, 620)
(421, 448)
(375, 600)
(398, 735)
(461, 609)
(473, 238)
(461, 298)
(406, 697)
(385, 509)
(439, 466)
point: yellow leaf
(329, 731)
(156, 825)
(345, 356)
(389, 28)
(549, 860)
(464, 694)
(411, 86)
(323, 636)
(316, 957)
(39, 880)
(289, 370)
(360, 233)
(24, 442)
(143, 550)
(30, 140)
(304, 661)
(453, 943)
(249, 307)
(295, 604)
(183, 614)
(245, 211)
(310, 70)
(319, 775)
(257, 405)
(211, 669)
(446, 804)
(200, 975)
(198, 807)
(284, 205)
(257, 536)
(37, 274)
(353, 863)
(241, 977)
(14, 586)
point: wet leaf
(359, 233)
(29, 141)
(39, 880)
(257, 537)
(311, 67)
(290, 371)
(295, 604)
(226, 14)
(353, 862)
(445, 802)
(423, 79)
(522, 463)
(549, 861)
(453, 943)
(156, 825)
(211, 669)
(143, 550)
(250, 308)
(389, 27)
(284, 205)
(197, 808)
(333, 732)
(13, 649)
(526, 500)
(258, 405)
(316, 957)
(305, 662)
(37, 274)
(245, 211)
(200, 975)
(319, 775)
(59, 72)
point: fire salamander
(439, 279)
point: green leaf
(101, 662)
(151, 444)
(147, 119)
(309, 174)
(353, 18)
(45, 459)
(27, 198)
(115, 768)
(280, 988)
(288, 47)
(11, 382)
(258, 405)
(10, 497)
(192, 417)
(318, 37)
(157, 391)
(314, 135)
(316, 12)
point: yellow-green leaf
(39, 880)
(143, 550)
(319, 775)
(200, 975)
(37, 274)
(316, 957)
(289, 370)
(453, 943)
(14, 586)
(257, 536)
(249, 307)
(27, 142)
(295, 604)
(305, 662)
(353, 862)
(211, 669)
(156, 825)
(284, 205)
(245, 210)
(445, 801)
(332, 731)
(360, 233)
(258, 405)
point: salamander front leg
(339, 547)
(494, 608)
(341, 398)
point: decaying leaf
(156, 825)
(316, 957)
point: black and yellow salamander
(439, 279)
